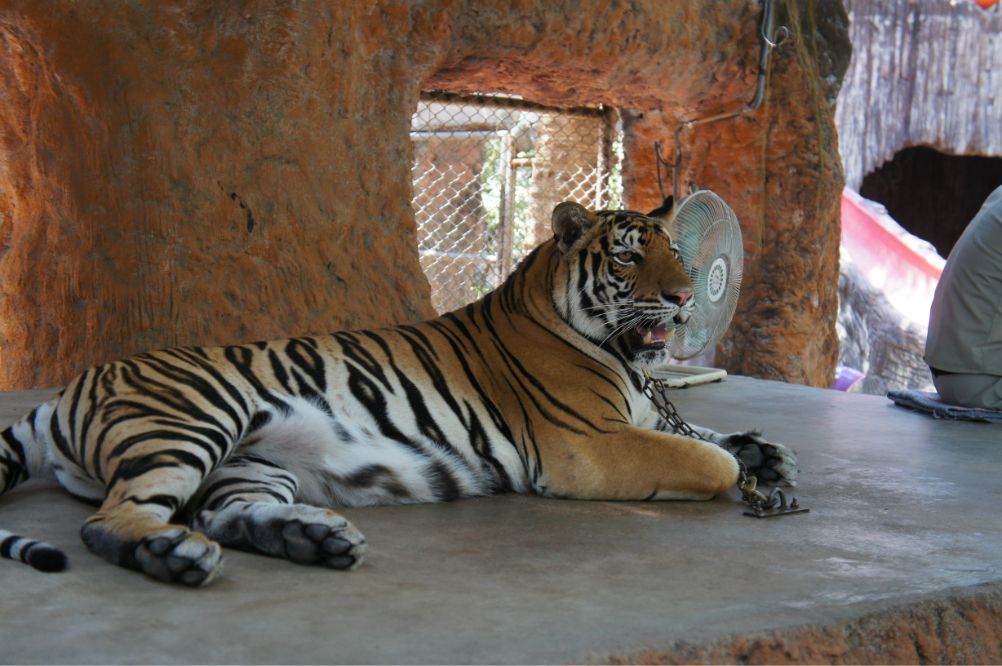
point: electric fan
(709, 239)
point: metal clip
(752, 497)
(775, 505)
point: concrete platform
(904, 525)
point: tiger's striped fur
(536, 387)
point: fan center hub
(716, 280)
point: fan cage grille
(709, 238)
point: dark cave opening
(931, 194)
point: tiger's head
(620, 280)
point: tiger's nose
(679, 297)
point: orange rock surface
(192, 172)
(960, 628)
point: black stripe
(74, 404)
(604, 377)
(304, 356)
(226, 498)
(367, 393)
(199, 383)
(423, 353)
(309, 340)
(481, 443)
(214, 487)
(273, 476)
(250, 458)
(460, 355)
(14, 474)
(415, 398)
(367, 476)
(133, 468)
(443, 485)
(242, 359)
(529, 260)
(209, 492)
(210, 368)
(14, 444)
(7, 545)
(623, 418)
(499, 345)
(167, 435)
(465, 332)
(31, 419)
(635, 379)
(166, 501)
(57, 436)
(429, 346)
(471, 312)
(221, 440)
(258, 421)
(341, 432)
(529, 431)
(373, 475)
(92, 409)
(582, 269)
(504, 354)
(279, 371)
(361, 356)
(141, 411)
(170, 395)
(306, 391)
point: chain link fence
(488, 170)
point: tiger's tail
(22, 456)
(37, 554)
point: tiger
(537, 387)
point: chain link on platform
(760, 505)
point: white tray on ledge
(681, 376)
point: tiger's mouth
(653, 338)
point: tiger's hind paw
(318, 543)
(178, 555)
(772, 464)
(298, 532)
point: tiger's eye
(626, 257)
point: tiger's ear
(571, 221)
(663, 211)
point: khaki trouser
(970, 390)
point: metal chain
(654, 389)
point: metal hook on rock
(781, 29)
(763, 67)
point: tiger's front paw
(772, 464)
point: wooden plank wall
(927, 72)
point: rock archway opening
(931, 194)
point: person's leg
(970, 390)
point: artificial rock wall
(194, 172)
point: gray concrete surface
(903, 507)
